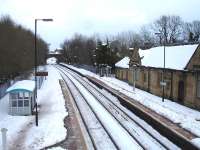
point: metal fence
(40, 80)
(101, 69)
(86, 67)
(3, 88)
(5, 84)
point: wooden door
(181, 91)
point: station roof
(123, 63)
(176, 57)
(24, 85)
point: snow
(122, 138)
(147, 141)
(196, 142)
(176, 57)
(51, 60)
(22, 132)
(186, 117)
(94, 127)
(55, 148)
(26, 85)
(124, 63)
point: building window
(14, 103)
(20, 95)
(26, 95)
(26, 103)
(14, 96)
(137, 74)
(20, 103)
(198, 85)
(196, 67)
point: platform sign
(163, 83)
(42, 73)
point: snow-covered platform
(22, 132)
(76, 138)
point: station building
(181, 73)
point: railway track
(138, 132)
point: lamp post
(36, 115)
(94, 57)
(163, 83)
(75, 59)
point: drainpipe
(171, 90)
(148, 78)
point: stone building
(181, 73)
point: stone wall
(181, 85)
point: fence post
(4, 145)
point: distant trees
(17, 48)
(171, 28)
(79, 49)
(192, 31)
(88, 50)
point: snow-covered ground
(22, 132)
(184, 116)
(120, 136)
(134, 130)
(22, 129)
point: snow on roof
(124, 63)
(176, 57)
(24, 85)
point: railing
(3, 88)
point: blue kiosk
(21, 97)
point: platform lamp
(163, 83)
(36, 115)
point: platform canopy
(24, 85)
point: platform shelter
(21, 97)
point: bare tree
(175, 28)
(79, 49)
(147, 37)
(192, 31)
(170, 28)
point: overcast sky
(93, 16)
